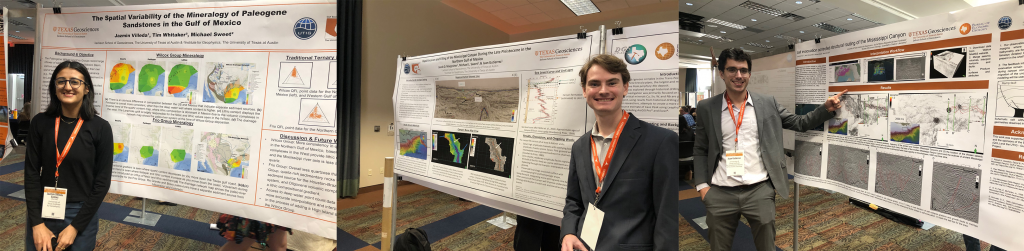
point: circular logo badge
(665, 51)
(965, 28)
(1005, 22)
(305, 28)
(636, 54)
(406, 69)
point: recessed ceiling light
(849, 19)
(801, 31)
(755, 20)
(722, 31)
(712, 26)
(766, 41)
(17, 31)
(29, 17)
(690, 4)
(700, 40)
(581, 7)
(799, 2)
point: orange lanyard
(602, 167)
(733, 115)
(60, 156)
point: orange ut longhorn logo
(965, 28)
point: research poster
(6, 134)
(495, 124)
(229, 107)
(930, 126)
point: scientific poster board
(6, 147)
(495, 124)
(929, 127)
(228, 107)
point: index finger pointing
(841, 93)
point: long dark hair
(87, 110)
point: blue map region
(159, 89)
(237, 172)
(191, 86)
(185, 164)
(123, 157)
(128, 87)
(151, 161)
(241, 97)
(420, 153)
(204, 167)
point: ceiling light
(829, 27)
(755, 20)
(889, 8)
(581, 7)
(801, 31)
(722, 31)
(766, 41)
(690, 4)
(759, 45)
(799, 2)
(712, 26)
(727, 24)
(849, 19)
(976, 3)
(698, 40)
(17, 31)
(29, 17)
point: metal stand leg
(141, 217)
(796, 216)
(504, 221)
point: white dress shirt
(748, 143)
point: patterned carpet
(828, 222)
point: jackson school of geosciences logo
(305, 28)
(331, 30)
(636, 54)
(665, 51)
(965, 28)
(1005, 22)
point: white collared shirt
(748, 143)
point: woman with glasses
(68, 162)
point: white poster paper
(228, 107)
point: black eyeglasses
(733, 70)
(75, 83)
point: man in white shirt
(739, 163)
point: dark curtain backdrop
(19, 60)
(691, 80)
(351, 24)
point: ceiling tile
(538, 18)
(837, 13)
(696, 3)
(710, 10)
(527, 10)
(767, 2)
(740, 34)
(635, 3)
(550, 5)
(760, 17)
(842, 21)
(773, 23)
(858, 25)
(735, 14)
(513, 3)
(788, 6)
(506, 14)
(519, 21)
(490, 5)
(813, 10)
(560, 13)
(611, 5)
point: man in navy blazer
(637, 186)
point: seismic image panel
(450, 148)
(848, 165)
(808, 158)
(910, 68)
(413, 143)
(491, 99)
(899, 177)
(862, 115)
(492, 155)
(954, 121)
(955, 190)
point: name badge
(592, 226)
(734, 163)
(54, 200)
